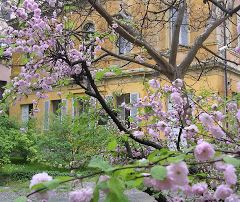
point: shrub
(15, 144)
(71, 142)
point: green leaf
(98, 162)
(159, 172)
(112, 37)
(38, 186)
(230, 160)
(134, 183)
(176, 159)
(52, 184)
(21, 199)
(99, 75)
(115, 193)
(96, 195)
(112, 145)
(64, 178)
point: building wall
(134, 83)
(213, 81)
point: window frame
(184, 25)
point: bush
(71, 142)
(16, 172)
(15, 144)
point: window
(46, 114)
(78, 107)
(183, 35)
(125, 113)
(59, 107)
(2, 84)
(88, 31)
(124, 45)
(5, 12)
(56, 107)
(26, 110)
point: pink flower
(230, 175)
(204, 151)
(222, 192)
(219, 116)
(59, 28)
(238, 28)
(39, 178)
(220, 166)
(191, 130)
(153, 133)
(82, 195)
(103, 178)
(178, 83)
(139, 58)
(237, 49)
(216, 131)
(178, 173)
(238, 115)
(232, 106)
(199, 188)
(138, 134)
(158, 185)
(161, 125)
(206, 119)
(176, 98)
(114, 25)
(154, 83)
(233, 198)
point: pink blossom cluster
(40, 178)
(177, 176)
(39, 42)
(82, 195)
(201, 129)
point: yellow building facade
(131, 80)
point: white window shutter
(133, 100)
(93, 102)
(64, 107)
(73, 107)
(25, 113)
(46, 114)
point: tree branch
(163, 66)
(218, 56)
(122, 57)
(198, 44)
(120, 126)
(176, 34)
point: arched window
(88, 31)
